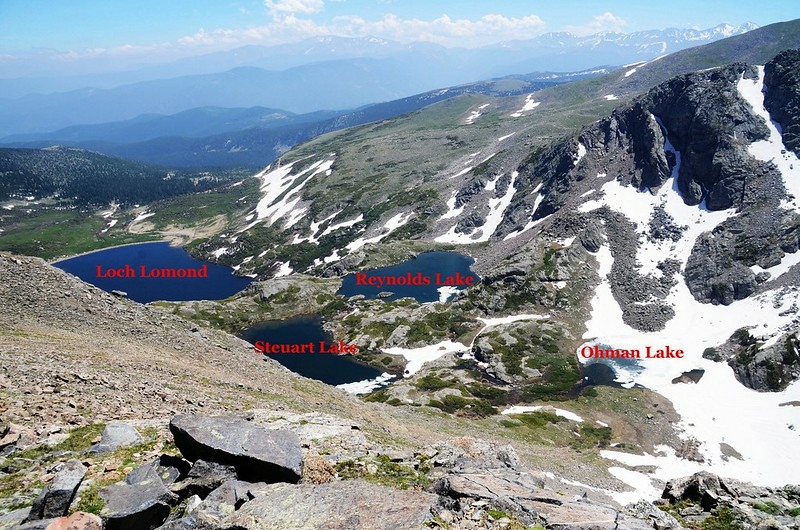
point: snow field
(529, 105)
(497, 208)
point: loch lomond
(154, 271)
(429, 277)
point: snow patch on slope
(497, 208)
(391, 225)
(452, 211)
(368, 385)
(284, 270)
(522, 409)
(416, 357)
(580, 154)
(529, 105)
(772, 149)
(280, 191)
(475, 114)
(343, 224)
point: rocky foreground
(118, 415)
(261, 471)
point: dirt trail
(180, 235)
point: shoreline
(65, 258)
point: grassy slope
(46, 231)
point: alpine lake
(147, 272)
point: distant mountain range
(315, 74)
(253, 137)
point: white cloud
(455, 32)
(442, 30)
(306, 7)
(601, 23)
(295, 20)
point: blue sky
(171, 28)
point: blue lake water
(421, 277)
(329, 368)
(220, 283)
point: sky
(159, 30)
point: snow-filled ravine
(281, 192)
(481, 234)
(762, 427)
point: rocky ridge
(709, 123)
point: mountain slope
(110, 359)
(84, 177)
(451, 151)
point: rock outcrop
(713, 502)
(769, 369)
(252, 450)
(782, 100)
(344, 505)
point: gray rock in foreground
(14, 518)
(143, 504)
(116, 435)
(257, 453)
(346, 505)
(55, 498)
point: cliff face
(723, 141)
(782, 76)
(699, 127)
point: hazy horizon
(92, 36)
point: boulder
(15, 518)
(116, 435)
(220, 503)
(257, 453)
(15, 437)
(317, 470)
(144, 503)
(341, 505)
(170, 469)
(77, 521)
(656, 518)
(521, 493)
(702, 488)
(186, 523)
(203, 478)
(55, 498)
(592, 237)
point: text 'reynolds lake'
(429, 277)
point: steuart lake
(154, 271)
(430, 277)
(299, 331)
